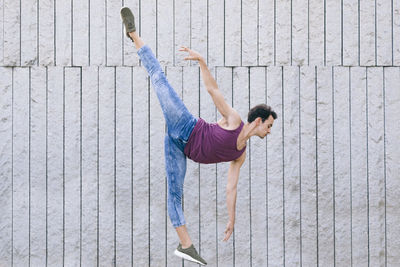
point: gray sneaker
(129, 21)
(189, 254)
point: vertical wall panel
(392, 131)
(106, 167)
(316, 37)
(283, 32)
(350, 33)
(63, 24)
(72, 165)
(175, 78)
(376, 175)
(341, 138)
(358, 172)
(129, 57)
(140, 193)
(148, 24)
(384, 32)
(208, 182)
(367, 33)
(242, 217)
(38, 172)
(258, 174)
(291, 165)
(325, 167)
(333, 32)
(29, 32)
(233, 33)
(275, 170)
(165, 32)
(216, 28)
(6, 189)
(308, 164)
(11, 33)
(299, 33)
(97, 32)
(46, 32)
(266, 31)
(80, 33)
(90, 181)
(55, 163)
(114, 33)
(182, 31)
(396, 33)
(250, 33)
(225, 249)
(198, 37)
(21, 166)
(123, 161)
(158, 222)
(191, 196)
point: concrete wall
(82, 178)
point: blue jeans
(180, 123)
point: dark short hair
(263, 111)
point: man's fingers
(227, 235)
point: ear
(258, 121)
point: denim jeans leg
(175, 164)
(179, 120)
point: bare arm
(212, 88)
(231, 192)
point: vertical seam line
(300, 173)
(283, 164)
(368, 213)
(72, 32)
(47, 156)
(80, 165)
(29, 165)
(12, 166)
(115, 166)
(98, 171)
(351, 168)
(384, 157)
(316, 158)
(333, 164)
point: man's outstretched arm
(231, 193)
(211, 85)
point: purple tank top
(210, 143)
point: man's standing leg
(179, 122)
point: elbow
(230, 189)
(211, 89)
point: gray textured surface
(89, 187)
(275, 204)
(358, 172)
(308, 165)
(82, 162)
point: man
(187, 136)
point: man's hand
(229, 230)
(193, 55)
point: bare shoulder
(234, 120)
(231, 122)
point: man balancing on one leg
(196, 139)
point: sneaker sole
(126, 15)
(187, 257)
